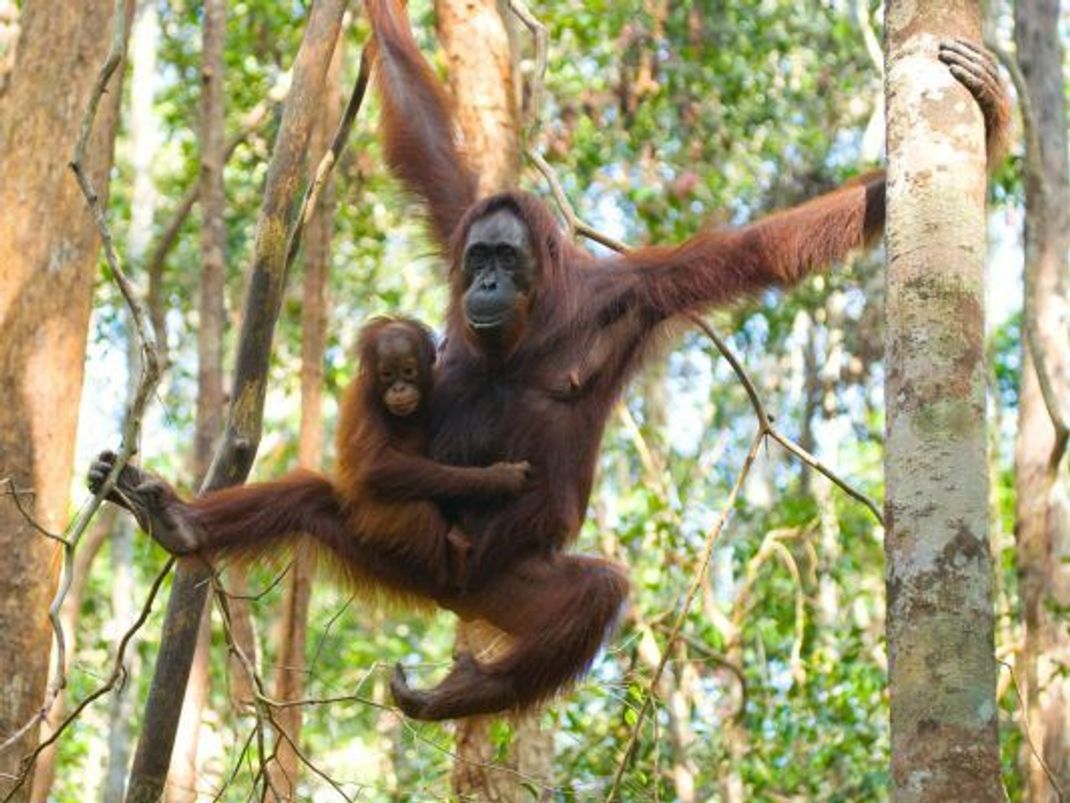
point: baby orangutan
(387, 483)
(379, 520)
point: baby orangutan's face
(398, 372)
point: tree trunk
(235, 455)
(1042, 521)
(293, 614)
(482, 82)
(208, 419)
(210, 398)
(48, 250)
(9, 38)
(942, 670)
(121, 705)
(481, 79)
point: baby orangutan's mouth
(403, 408)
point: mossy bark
(942, 669)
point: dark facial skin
(499, 269)
(398, 372)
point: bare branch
(117, 677)
(326, 165)
(1029, 736)
(538, 32)
(16, 495)
(684, 607)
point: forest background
(656, 118)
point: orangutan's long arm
(418, 128)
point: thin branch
(326, 165)
(117, 677)
(538, 33)
(766, 421)
(16, 495)
(684, 607)
(1028, 736)
(259, 595)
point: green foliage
(716, 113)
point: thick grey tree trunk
(942, 668)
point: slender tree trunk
(48, 250)
(121, 705)
(184, 773)
(144, 147)
(942, 670)
(292, 623)
(1042, 521)
(484, 90)
(210, 397)
(235, 455)
(208, 420)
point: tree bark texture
(210, 398)
(481, 78)
(9, 38)
(210, 406)
(48, 254)
(293, 614)
(235, 455)
(942, 670)
(1042, 521)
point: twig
(338, 144)
(575, 225)
(538, 33)
(237, 766)
(15, 494)
(1028, 736)
(683, 608)
(259, 595)
(118, 676)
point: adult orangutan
(517, 381)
